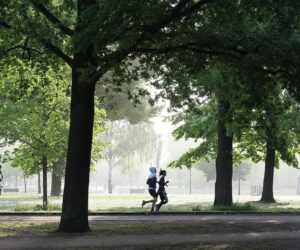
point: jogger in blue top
(151, 181)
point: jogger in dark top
(161, 189)
(151, 181)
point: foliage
(240, 172)
(130, 144)
(250, 120)
(36, 121)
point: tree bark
(45, 191)
(39, 183)
(55, 184)
(223, 185)
(57, 171)
(109, 180)
(267, 192)
(74, 217)
(25, 184)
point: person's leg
(153, 194)
(145, 202)
(153, 204)
(166, 200)
(161, 196)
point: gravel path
(98, 240)
(163, 218)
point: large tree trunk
(223, 185)
(74, 217)
(109, 180)
(267, 193)
(45, 192)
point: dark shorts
(152, 192)
(163, 196)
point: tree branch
(5, 25)
(53, 19)
(24, 48)
(181, 47)
(195, 7)
(47, 44)
(167, 19)
(177, 12)
(58, 52)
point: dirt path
(163, 218)
(255, 230)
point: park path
(160, 218)
(98, 240)
(138, 241)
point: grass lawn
(132, 203)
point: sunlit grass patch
(37, 207)
(132, 203)
(23, 228)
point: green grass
(236, 207)
(38, 207)
(132, 203)
(18, 229)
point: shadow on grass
(47, 229)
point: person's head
(152, 170)
(162, 173)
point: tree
(130, 145)
(1, 180)
(273, 135)
(38, 122)
(80, 33)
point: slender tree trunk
(267, 192)
(45, 192)
(57, 170)
(109, 180)
(39, 183)
(74, 217)
(190, 172)
(25, 184)
(223, 185)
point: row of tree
(227, 54)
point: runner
(161, 189)
(151, 181)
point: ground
(191, 228)
(156, 231)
